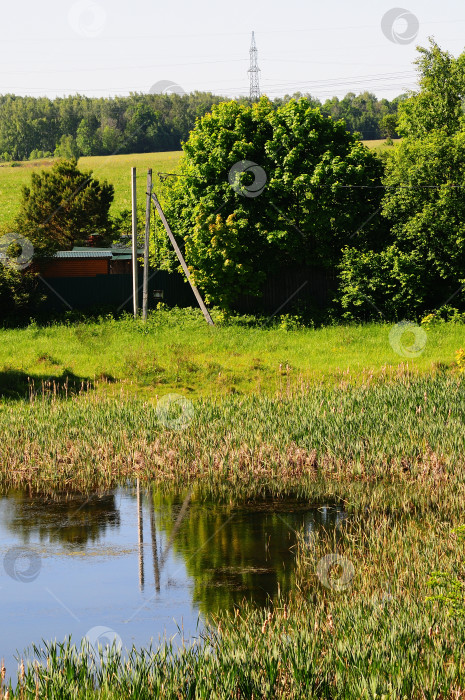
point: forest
(77, 125)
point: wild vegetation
(350, 415)
(304, 433)
(390, 453)
(418, 263)
(253, 196)
(176, 351)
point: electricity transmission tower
(254, 71)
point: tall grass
(401, 442)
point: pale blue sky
(57, 47)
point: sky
(114, 47)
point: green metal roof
(116, 250)
(89, 253)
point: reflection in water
(140, 536)
(76, 520)
(236, 552)
(96, 566)
(156, 570)
(227, 552)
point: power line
(322, 83)
(165, 176)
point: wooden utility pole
(135, 276)
(145, 289)
(200, 302)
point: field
(115, 169)
(381, 145)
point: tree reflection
(235, 552)
(67, 519)
(230, 552)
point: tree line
(73, 126)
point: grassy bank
(116, 169)
(177, 351)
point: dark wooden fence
(115, 291)
(283, 292)
(291, 288)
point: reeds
(401, 444)
(379, 638)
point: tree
(312, 200)
(389, 125)
(439, 104)
(67, 148)
(20, 295)
(63, 207)
(421, 266)
(142, 127)
(86, 138)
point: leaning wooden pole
(145, 288)
(177, 250)
(135, 276)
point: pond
(133, 565)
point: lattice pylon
(254, 71)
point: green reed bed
(377, 638)
(318, 441)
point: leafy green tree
(439, 104)
(20, 295)
(380, 284)
(142, 127)
(63, 207)
(314, 174)
(112, 139)
(389, 126)
(422, 264)
(86, 138)
(67, 148)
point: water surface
(137, 565)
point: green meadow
(177, 351)
(116, 169)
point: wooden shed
(89, 262)
(77, 263)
